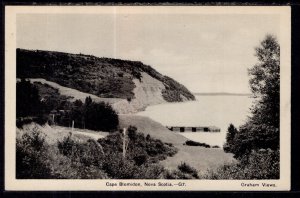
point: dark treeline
(90, 115)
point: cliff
(135, 85)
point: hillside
(198, 157)
(133, 81)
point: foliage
(78, 160)
(261, 164)
(141, 149)
(230, 138)
(185, 168)
(261, 131)
(90, 115)
(104, 77)
(28, 100)
(100, 116)
(31, 157)
(52, 98)
(105, 155)
(193, 143)
(184, 171)
(87, 153)
(118, 168)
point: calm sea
(208, 110)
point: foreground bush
(118, 168)
(184, 171)
(263, 164)
(106, 155)
(72, 158)
(35, 159)
(140, 149)
(31, 157)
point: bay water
(207, 110)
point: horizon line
(219, 93)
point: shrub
(193, 143)
(176, 174)
(263, 164)
(184, 171)
(85, 158)
(87, 153)
(105, 156)
(185, 168)
(31, 157)
(141, 149)
(141, 155)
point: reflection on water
(219, 111)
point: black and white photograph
(147, 98)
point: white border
(191, 185)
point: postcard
(147, 98)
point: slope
(103, 77)
(200, 158)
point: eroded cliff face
(147, 91)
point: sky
(204, 52)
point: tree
(265, 82)
(261, 131)
(100, 116)
(28, 100)
(230, 138)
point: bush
(31, 157)
(72, 158)
(176, 174)
(88, 153)
(185, 168)
(193, 143)
(184, 171)
(262, 164)
(105, 156)
(141, 149)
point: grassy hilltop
(103, 77)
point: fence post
(72, 125)
(124, 143)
